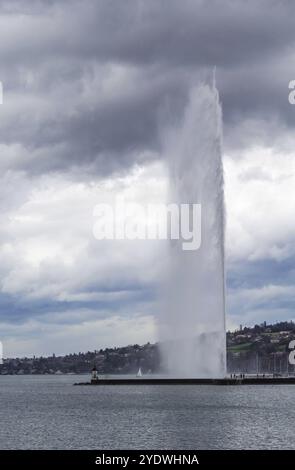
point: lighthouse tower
(94, 376)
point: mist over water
(192, 328)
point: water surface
(48, 412)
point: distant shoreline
(262, 349)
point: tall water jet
(192, 328)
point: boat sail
(139, 373)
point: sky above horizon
(90, 88)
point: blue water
(48, 412)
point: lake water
(48, 412)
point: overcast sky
(89, 89)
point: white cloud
(259, 188)
(48, 248)
(38, 338)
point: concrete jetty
(192, 381)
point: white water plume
(192, 327)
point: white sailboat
(139, 373)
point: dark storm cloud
(57, 59)
(260, 291)
(15, 309)
(256, 274)
(187, 32)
